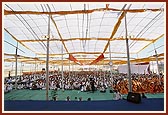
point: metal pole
(104, 69)
(20, 68)
(62, 67)
(153, 67)
(69, 68)
(110, 63)
(128, 57)
(47, 71)
(16, 66)
(35, 65)
(47, 59)
(37, 69)
(157, 62)
(97, 71)
(30, 68)
(138, 64)
(73, 70)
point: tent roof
(84, 30)
(41, 60)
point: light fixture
(46, 36)
(110, 63)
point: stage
(150, 104)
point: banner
(137, 69)
(101, 57)
(72, 58)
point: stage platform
(35, 100)
(150, 104)
(27, 94)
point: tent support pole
(138, 63)
(62, 67)
(128, 57)
(104, 69)
(16, 56)
(34, 68)
(47, 60)
(69, 68)
(21, 68)
(110, 63)
(157, 62)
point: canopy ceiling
(120, 60)
(85, 30)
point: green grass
(27, 94)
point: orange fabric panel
(72, 58)
(101, 57)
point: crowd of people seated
(87, 80)
(142, 83)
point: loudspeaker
(134, 97)
(111, 91)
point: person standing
(92, 84)
(68, 98)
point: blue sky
(11, 50)
(149, 51)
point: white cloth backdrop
(141, 69)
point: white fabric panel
(35, 47)
(61, 24)
(13, 6)
(99, 47)
(58, 18)
(154, 5)
(140, 69)
(62, 7)
(77, 6)
(94, 6)
(73, 29)
(112, 15)
(117, 5)
(104, 34)
(53, 30)
(26, 7)
(38, 22)
(135, 46)
(57, 47)
(117, 46)
(100, 24)
(93, 34)
(73, 46)
(22, 36)
(54, 47)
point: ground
(27, 94)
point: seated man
(6, 88)
(102, 89)
(68, 98)
(55, 98)
(80, 98)
(117, 95)
(143, 95)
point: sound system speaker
(111, 91)
(134, 97)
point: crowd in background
(86, 81)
